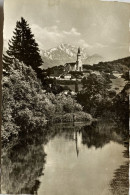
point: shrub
(71, 117)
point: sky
(100, 26)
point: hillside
(120, 65)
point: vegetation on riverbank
(72, 117)
(100, 100)
(27, 107)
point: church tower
(79, 61)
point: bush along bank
(73, 117)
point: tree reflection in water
(101, 133)
(23, 164)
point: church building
(75, 66)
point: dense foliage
(95, 95)
(26, 106)
(23, 100)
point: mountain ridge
(64, 53)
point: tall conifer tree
(23, 47)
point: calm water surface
(74, 159)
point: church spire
(79, 61)
(79, 50)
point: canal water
(69, 159)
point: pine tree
(23, 47)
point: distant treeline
(119, 65)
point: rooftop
(71, 63)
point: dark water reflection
(79, 159)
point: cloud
(47, 35)
(49, 32)
(73, 31)
(94, 24)
(57, 21)
(83, 43)
(50, 36)
(99, 45)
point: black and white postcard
(65, 97)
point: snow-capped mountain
(64, 53)
(66, 49)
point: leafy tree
(23, 47)
(121, 106)
(94, 96)
(126, 75)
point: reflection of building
(75, 66)
(76, 142)
(77, 138)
